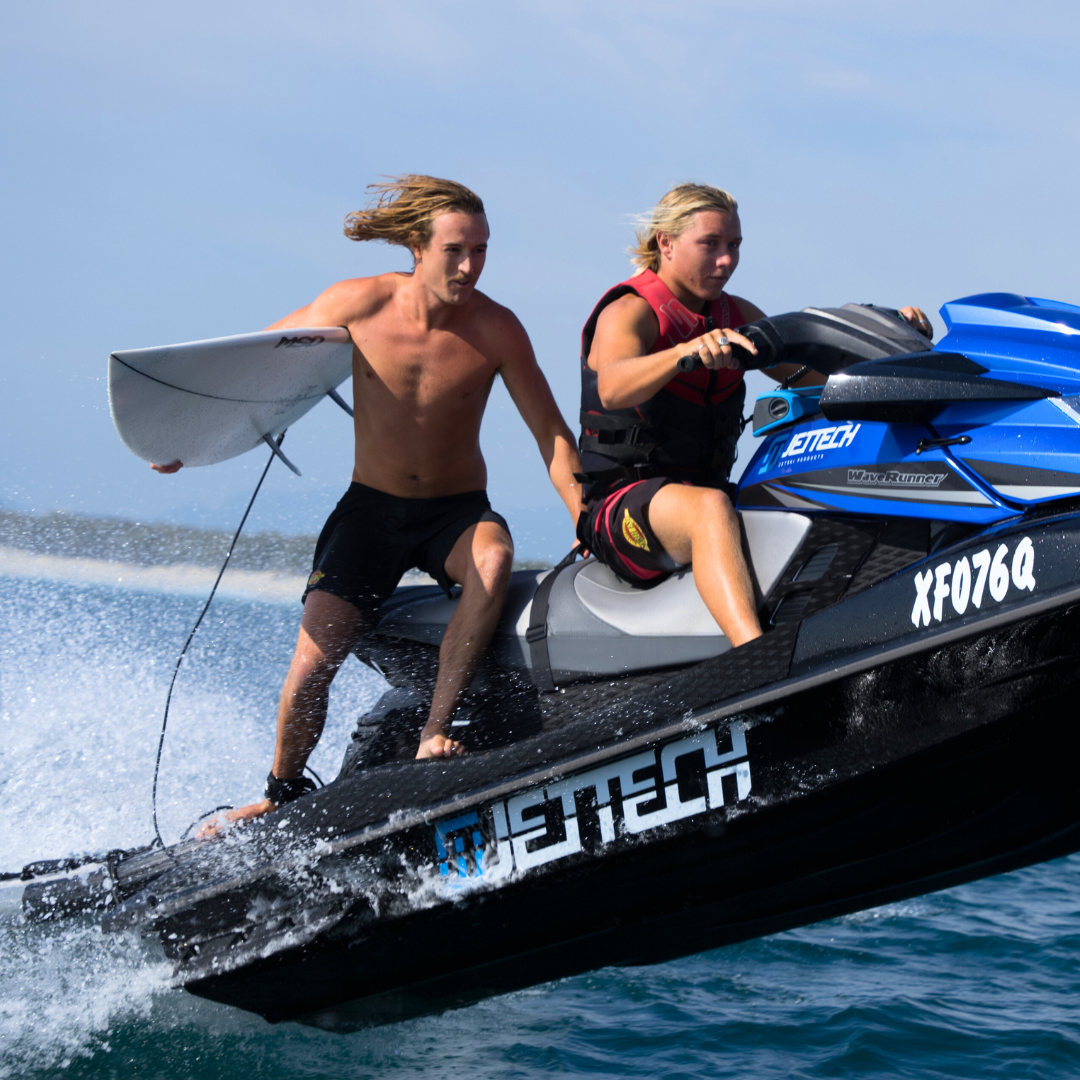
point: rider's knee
(494, 563)
(312, 667)
(715, 503)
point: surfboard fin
(337, 399)
(277, 452)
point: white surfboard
(207, 401)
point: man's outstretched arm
(337, 306)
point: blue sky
(182, 172)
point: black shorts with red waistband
(372, 538)
(616, 529)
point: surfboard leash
(276, 447)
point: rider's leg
(699, 526)
(480, 561)
(328, 629)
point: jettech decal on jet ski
(545, 824)
(812, 445)
(787, 449)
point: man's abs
(419, 457)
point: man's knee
(481, 562)
(312, 670)
(715, 503)
(493, 553)
(328, 630)
(688, 509)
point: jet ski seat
(596, 624)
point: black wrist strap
(280, 792)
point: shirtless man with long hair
(426, 349)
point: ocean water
(978, 981)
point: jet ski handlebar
(825, 339)
(767, 348)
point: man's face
(704, 257)
(454, 257)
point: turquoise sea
(979, 981)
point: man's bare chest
(420, 370)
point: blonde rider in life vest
(657, 443)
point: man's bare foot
(218, 826)
(439, 746)
(176, 466)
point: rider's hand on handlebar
(714, 349)
(918, 320)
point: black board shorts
(372, 538)
(615, 528)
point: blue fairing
(1028, 452)
(1004, 455)
(1018, 338)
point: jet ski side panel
(1034, 566)
(865, 467)
(1025, 452)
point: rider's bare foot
(218, 826)
(439, 746)
(176, 466)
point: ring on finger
(723, 341)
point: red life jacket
(688, 429)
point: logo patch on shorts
(633, 532)
(315, 579)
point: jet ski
(636, 789)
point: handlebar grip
(745, 358)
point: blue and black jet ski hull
(846, 760)
(985, 783)
(635, 789)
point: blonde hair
(405, 208)
(672, 215)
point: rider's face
(454, 257)
(703, 257)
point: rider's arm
(627, 373)
(337, 306)
(531, 394)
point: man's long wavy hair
(671, 215)
(405, 208)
